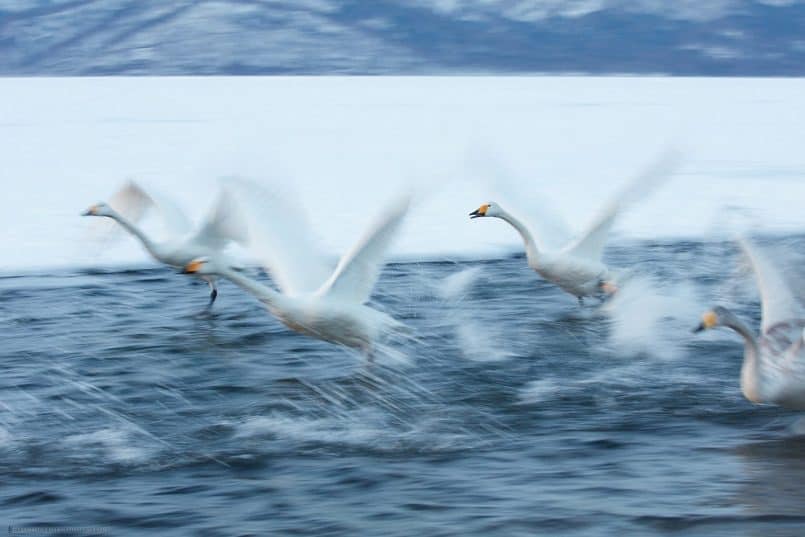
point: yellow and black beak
(709, 320)
(193, 267)
(480, 211)
(91, 211)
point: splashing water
(455, 286)
(648, 316)
(478, 340)
(114, 444)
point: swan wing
(275, 230)
(132, 202)
(224, 223)
(358, 270)
(174, 220)
(590, 244)
(778, 303)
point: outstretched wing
(358, 270)
(132, 202)
(277, 233)
(174, 220)
(590, 244)
(224, 223)
(778, 303)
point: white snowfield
(552, 148)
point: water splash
(477, 340)
(538, 391)
(114, 444)
(652, 317)
(456, 285)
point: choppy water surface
(514, 412)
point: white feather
(279, 235)
(222, 224)
(778, 304)
(358, 270)
(590, 244)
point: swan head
(201, 266)
(717, 316)
(99, 209)
(487, 209)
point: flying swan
(577, 268)
(313, 300)
(773, 369)
(184, 243)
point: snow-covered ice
(553, 147)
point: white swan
(333, 308)
(577, 268)
(773, 369)
(184, 244)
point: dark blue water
(514, 412)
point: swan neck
(744, 331)
(264, 293)
(750, 370)
(531, 250)
(134, 230)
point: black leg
(581, 301)
(213, 294)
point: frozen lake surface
(553, 148)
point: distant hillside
(162, 37)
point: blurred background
(262, 37)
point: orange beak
(193, 267)
(480, 211)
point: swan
(577, 268)
(184, 244)
(331, 308)
(773, 369)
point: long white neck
(136, 231)
(750, 370)
(264, 293)
(531, 250)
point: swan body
(335, 309)
(773, 369)
(185, 244)
(317, 315)
(575, 275)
